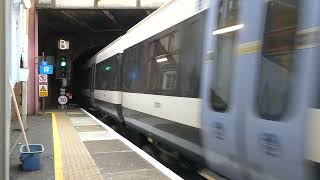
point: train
(231, 85)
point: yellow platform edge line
(58, 171)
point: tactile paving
(77, 163)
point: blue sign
(47, 69)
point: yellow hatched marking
(58, 172)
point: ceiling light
(162, 59)
(228, 29)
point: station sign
(63, 44)
(46, 69)
(43, 85)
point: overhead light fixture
(26, 4)
(162, 60)
(228, 29)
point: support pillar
(5, 97)
(36, 61)
(32, 86)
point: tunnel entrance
(87, 31)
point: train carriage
(107, 95)
(256, 107)
(234, 82)
(149, 79)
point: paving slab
(76, 115)
(94, 136)
(106, 146)
(77, 163)
(144, 174)
(82, 121)
(120, 162)
(89, 128)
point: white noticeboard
(62, 100)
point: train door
(218, 81)
(276, 112)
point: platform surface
(79, 146)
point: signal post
(63, 71)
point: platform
(79, 146)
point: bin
(30, 161)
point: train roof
(161, 19)
(112, 49)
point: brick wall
(18, 93)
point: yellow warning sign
(43, 94)
(43, 90)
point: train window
(174, 42)
(107, 74)
(278, 56)
(225, 55)
(162, 64)
(162, 46)
(151, 50)
(169, 80)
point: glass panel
(169, 80)
(228, 13)
(174, 42)
(107, 74)
(162, 46)
(277, 58)
(225, 55)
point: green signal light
(63, 64)
(108, 68)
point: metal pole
(43, 100)
(43, 106)
(5, 45)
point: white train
(263, 89)
(252, 62)
(149, 78)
